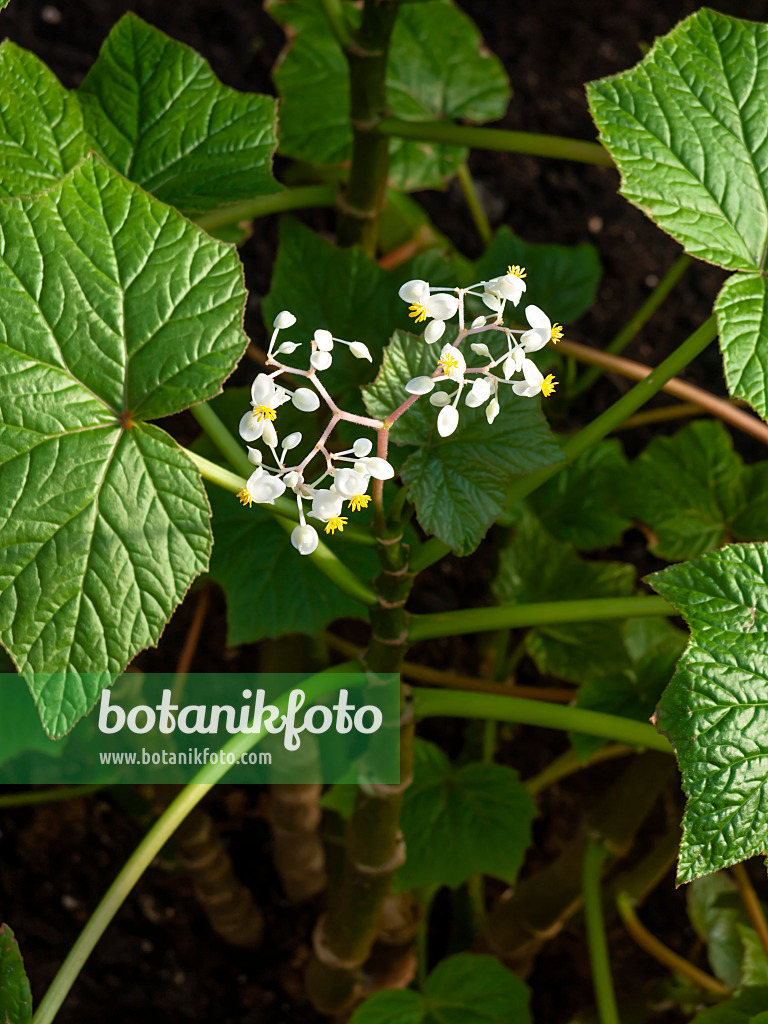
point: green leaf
(458, 483)
(694, 492)
(438, 69)
(748, 1007)
(41, 131)
(462, 989)
(536, 567)
(561, 279)
(460, 822)
(160, 116)
(742, 321)
(686, 129)
(15, 993)
(103, 519)
(633, 689)
(580, 505)
(719, 917)
(715, 710)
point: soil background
(158, 960)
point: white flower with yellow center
(326, 506)
(507, 288)
(261, 488)
(266, 399)
(542, 330)
(352, 486)
(452, 363)
(424, 305)
(535, 382)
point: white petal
(492, 301)
(479, 392)
(291, 479)
(250, 427)
(305, 400)
(378, 468)
(479, 321)
(324, 340)
(360, 351)
(254, 456)
(519, 357)
(262, 390)
(442, 306)
(279, 398)
(531, 372)
(533, 340)
(479, 347)
(326, 505)
(292, 440)
(269, 434)
(439, 399)
(266, 489)
(415, 291)
(283, 320)
(508, 367)
(511, 287)
(304, 539)
(538, 318)
(521, 388)
(434, 332)
(348, 483)
(362, 447)
(419, 385)
(447, 421)
(492, 410)
(321, 360)
(287, 348)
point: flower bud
(378, 468)
(439, 399)
(419, 386)
(447, 421)
(305, 400)
(434, 332)
(291, 479)
(414, 291)
(269, 434)
(304, 539)
(324, 340)
(321, 360)
(254, 456)
(479, 321)
(292, 440)
(479, 347)
(360, 351)
(287, 347)
(362, 447)
(492, 410)
(283, 320)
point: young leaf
(715, 710)
(466, 988)
(460, 822)
(536, 567)
(15, 993)
(748, 1007)
(114, 309)
(160, 116)
(694, 492)
(42, 135)
(561, 279)
(438, 69)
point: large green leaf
(561, 279)
(749, 1007)
(715, 710)
(161, 117)
(438, 69)
(458, 483)
(113, 309)
(742, 319)
(41, 130)
(460, 822)
(694, 492)
(462, 989)
(536, 567)
(15, 993)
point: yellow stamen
(335, 523)
(557, 333)
(264, 412)
(418, 312)
(244, 496)
(516, 271)
(548, 385)
(359, 501)
(447, 363)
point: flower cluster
(350, 471)
(438, 305)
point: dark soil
(158, 961)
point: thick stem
(595, 856)
(361, 204)
(262, 206)
(498, 139)
(297, 849)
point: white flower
(542, 331)
(378, 468)
(352, 485)
(324, 340)
(360, 351)
(423, 305)
(509, 286)
(452, 363)
(419, 385)
(448, 420)
(320, 360)
(534, 382)
(261, 488)
(326, 506)
(434, 332)
(304, 538)
(479, 393)
(305, 400)
(266, 398)
(283, 320)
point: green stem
(315, 688)
(568, 764)
(595, 856)
(621, 410)
(229, 447)
(542, 613)
(286, 515)
(262, 206)
(468, 704)
(474, 204)
(636, 322)
(428, 553)
(334, 12)
(48, 796)
(496, 139)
